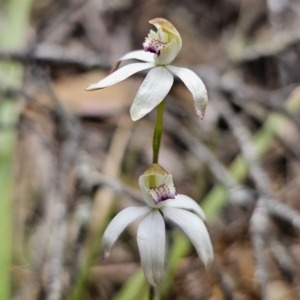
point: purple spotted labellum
(154, 46)
(161, 193)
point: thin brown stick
(56, 56)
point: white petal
(167, 53)
(185, 202)
(153, 90)
(151, 243)
(119, 223)
(139, 54)
(146, 194)
(120, 75)
(195, 229)
(195, 85)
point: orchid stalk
(157, 132)
(162, 202)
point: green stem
(158, 129)
(151, 292)
(13, 37)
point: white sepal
(151, 243)
(195, 229)
(119, 223)
(185, 202)
(153, 90)
(195, 85)
(166, 31)
(120, 75)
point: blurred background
(70, 159)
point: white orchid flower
(160, 49)
(162, 202)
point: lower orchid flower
(160, 49)
(162, 202)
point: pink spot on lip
(161, 193)
(152, 49)
(154, 46)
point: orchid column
(162, 202)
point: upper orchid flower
(160, 195)
(160, 49)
